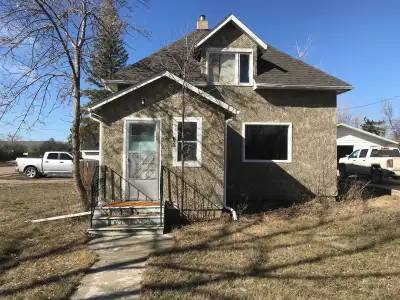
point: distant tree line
(11, 149)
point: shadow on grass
(198, 280)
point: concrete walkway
(118, 273)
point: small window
(354, 154)
(52, 156)
(363, 153)
(267, 142)
(187, 145)
(230, 66)
(244, 70)
(65, 156)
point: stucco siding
(313, 117)
(163, 100)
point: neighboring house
(350, 138)
(260, 125)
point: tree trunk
(80, 189)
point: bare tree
(393, 123)
(303, 51)
(45, 45)
(344, 116)
(181, 61)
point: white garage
(350, 138)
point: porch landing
(131, 204)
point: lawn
(320, 250)
(43, 260)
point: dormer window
(230, 66)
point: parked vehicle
(52, 163)
(379, 163)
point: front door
(142, 159)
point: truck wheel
(376, 175)
(342, 172)
(31, 172)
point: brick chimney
(202, 23)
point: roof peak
(232, 18)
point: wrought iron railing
(194, 205)
(112, 187)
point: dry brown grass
(45, 260)
(319, 250)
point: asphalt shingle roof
(168, 58)
(277, 67)
(273, 66)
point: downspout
(232, 211)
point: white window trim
(290, 142)
(198, 162)
(237, 52)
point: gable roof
(173, 77)
(165, 58)
(275, 69)
(240, 25)
(367, 133)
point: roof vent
(202, 23)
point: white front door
(142, 159)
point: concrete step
(128, 208)
(127, 230)
(109, 220)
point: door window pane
(244, 68)
(64, 156)
(52, 156)
(142, 137)
(363, 153)
(266, 142)
(354, 154)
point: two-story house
(259, 126)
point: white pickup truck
(379, 163)
(52, 163)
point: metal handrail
(189, 209)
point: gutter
(232, 211)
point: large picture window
(230, 66)
(264, 142)
(187, 141)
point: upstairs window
(230, 66)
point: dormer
(229, 53)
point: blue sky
(357, 41)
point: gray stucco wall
(163, 99)
(313, 117)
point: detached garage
(350, 138)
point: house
(259, 128)
(350, 138)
